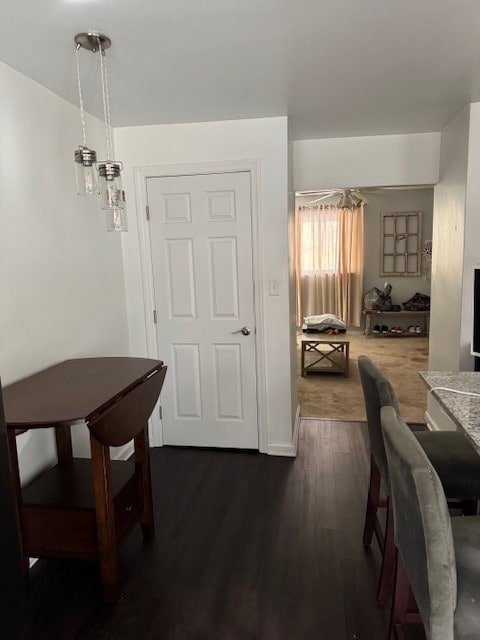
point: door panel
(223, 278)
(181, 278)
(186, 373)
(200, 229)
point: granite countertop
(464, 410)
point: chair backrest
(423, 531)
(378, 393)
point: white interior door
(201, 239)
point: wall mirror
(401, 243)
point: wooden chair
(454, 459)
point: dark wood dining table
(83, 508)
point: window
(329, 262)
(320, 253)
(320, 242)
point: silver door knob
(245, 330)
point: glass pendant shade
(85, 172)
(110, 181)
(117, 218)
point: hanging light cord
(106, 103)
(80, 98)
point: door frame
(252, 166)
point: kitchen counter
(463, 410)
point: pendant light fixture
(85, 158)
(109, 171)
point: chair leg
(388, 560)
(400, 601)
(373, 500)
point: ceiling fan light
(344, 202)
(348, 201)
(356, 200)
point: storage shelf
(67, 485)
(58, 509)
(369, 312)
(373, 317)
(404, 334)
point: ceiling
(335, 67)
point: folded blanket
(326, 320)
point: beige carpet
(329, 395)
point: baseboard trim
(287, 450)
(324, 419)
(125, 452)
(296, 429)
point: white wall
(471, 250)
(403, 200)
(264, 139)
(61, 274)
(456, 238)
(370, 161)
(448, 240)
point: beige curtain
(329, 262)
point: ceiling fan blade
(324, 197)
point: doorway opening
(397, 342)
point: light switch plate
(273, 287)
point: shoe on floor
(377, 328)
(418, 329)
(384, 328)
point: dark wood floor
(247, 547)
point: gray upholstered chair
(454, 459)
(439, 555)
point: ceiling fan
(348, 198)
(353, 197)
